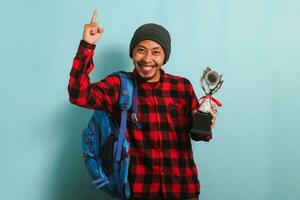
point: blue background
(254, 44)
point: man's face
(148, 57)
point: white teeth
(147, 68)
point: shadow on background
(69, 179)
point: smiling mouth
(146, 68)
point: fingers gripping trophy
(211, 82)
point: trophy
(211, 82)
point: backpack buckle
(135, 120)
(125, 93)
(134, 117)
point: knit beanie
(153, 32)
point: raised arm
(100, 95)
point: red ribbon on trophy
(210, 98)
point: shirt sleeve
(100, 95)
(194, 102)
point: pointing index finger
(93, 20)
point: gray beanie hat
(153, 32)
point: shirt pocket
(177, 117)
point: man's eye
(156, 53)
(140, 50)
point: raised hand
(92, 31)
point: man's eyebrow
(139, 45)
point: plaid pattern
(161, 157)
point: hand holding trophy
(211, 82)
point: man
(161, 158)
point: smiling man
(150, 48)
(148, 57)
(161, 157)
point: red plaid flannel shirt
(161, 157)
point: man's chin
(149, 78)
(145, 77)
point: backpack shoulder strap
(127, 90)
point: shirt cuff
(87, 45)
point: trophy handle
(201, 80)
(202, 86)
(217, 87)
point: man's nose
(148, 57)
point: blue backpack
(105, 147)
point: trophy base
(201, 130)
